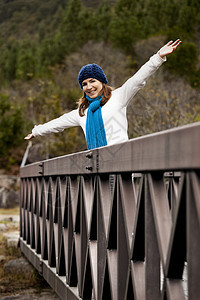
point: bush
(184, 59)
(195, 79)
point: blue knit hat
(91, 71)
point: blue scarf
(95, 131)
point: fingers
(174, 44)
(169, 43)
(177, 43)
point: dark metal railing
(119, 222)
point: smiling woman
(105, 90)
(101, 111)
(92, 87)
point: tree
(187, 20)
(70, 26)
(125, 28)
(8, 60)
(157, 16)
(26, 60)
(103, 18)
(50, 53)
(11, 125)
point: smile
(92, 92)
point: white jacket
(113, 112)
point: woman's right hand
(169, 48)
(29, 136)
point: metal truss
(121, 222)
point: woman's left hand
(169, 48)
(29, 136)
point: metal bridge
(119, 222)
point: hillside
(21, 18)
(43, 45)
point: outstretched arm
(67, 120)
(169, 48)
(137, 81)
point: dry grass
(9, 211)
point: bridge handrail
(173, 149)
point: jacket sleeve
(138, 80)
(67, 120)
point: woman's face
(92, 87)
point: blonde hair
(83, 103)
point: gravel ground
(46, 294)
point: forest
(43, 45)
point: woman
(102, 111)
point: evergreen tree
(26, 60)
(50, 53)
(11, 125)
(158, 16)
(69, 30)
(188, 18)
(125, 28)
(103, 18)
(8, 60)
(87, 26)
